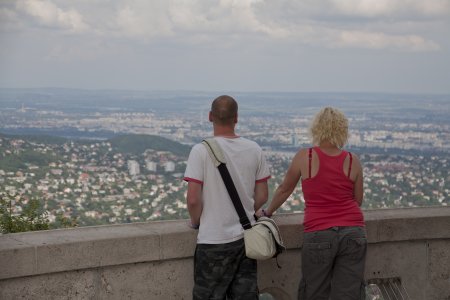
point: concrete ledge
(387, 225)
(154, 260)
(382, 225)
(44, 252)
(152, 280)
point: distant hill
(44, 139)
(138, 143)
(130, 143)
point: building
(151, 166)
(169, 166)
(133, 168)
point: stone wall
(154, 260)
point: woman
(334, 243)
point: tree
(30, 219)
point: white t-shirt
(219, 222)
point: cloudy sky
(227, 45)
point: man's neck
(224, 131)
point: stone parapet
(154, 260)
(44, 252)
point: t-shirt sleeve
(263, 173)
(194, 169)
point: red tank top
(329, 199)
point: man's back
(221, 268)
(245, 161)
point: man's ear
(236, 119)
(210, 116)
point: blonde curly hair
(331, 125)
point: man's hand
(194, 202)
(194, 226)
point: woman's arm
(358, 189)
(286, 188)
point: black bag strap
(210, 145)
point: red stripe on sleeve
(188, 179)
(263, 179)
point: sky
(392, 46)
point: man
(221, 269)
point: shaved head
(224, 110)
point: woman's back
(334, 242)
(328, 190)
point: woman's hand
(259, 213)
(263, 213)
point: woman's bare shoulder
(302, 153)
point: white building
(169, 166)
(151, 166)
(133, 168)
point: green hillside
(128, 144)
(138, 143)
(15, 162)
(40, 139)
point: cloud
(325, 23)
(178, 18)
(143, 19)
(9, 20)
(391, 8)
(48, 14)
(377, 40)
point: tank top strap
(350, 164)
(319, 152)
(309, 161)
(342, 157)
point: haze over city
(100, 69)
(123, 153)
(392, 46)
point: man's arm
(194, 202)
(261, 194)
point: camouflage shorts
(222, 271)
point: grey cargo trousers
(333, 263)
